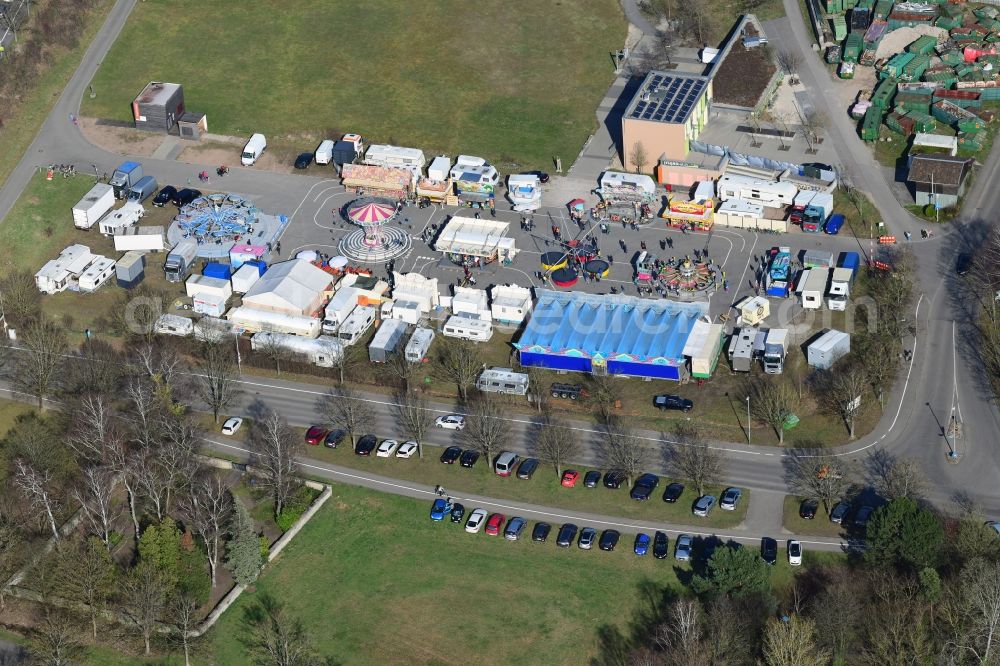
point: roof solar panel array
(667, 99)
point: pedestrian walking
(725, 285)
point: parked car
(587, 537)
(334, 438)
(439, 509)
(475, 521)
(494, 523)
(794, 553)
(303, 160)
(457, 513)
(730, 499)
(994, 525)
(231, 425)
(450, 422)
(387, 448)
(840, 512)
(451, 454)
(406, 449)
(704, 505)
(673, 492)
(527, 468)
(660, 545)
(566, 535)
(641, 545)
(592, 478)
(682, 549)
(609, 539)
(963, 263)
(672, 402)
(541, 532)
(862, 516)
(505, 463)
(769, 550)
(186, 196)
(569, 478)
(514, 528)
(366, 445)
(469, 458)
(807, 509)
(614, 479)
(644, 487)
(315, 434)
(165, 196)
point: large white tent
(467, 236)
(294, 287)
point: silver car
(682, 549)
(730, 499)
(704, 505)
(587, 537)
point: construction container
(916, 67)
(967, 99)
(849, 4)
(899, 19)
(833, 54)
(899, 123)
(922, 122)
(839, 27)
(130, 269)
(923, 45)
(871, 123)
(970, 141)
(874, 34)
(913, 101)
(882, 9)
(865, 4)
(952, 57)
(852, 47)
(833, 6)
(894, 68)
(882, 97)
(846, 70)
(860, 19)
(948, 22)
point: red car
(315, 435)
(569, 478)
(494, 523)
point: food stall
(690, 215)
(382, 181)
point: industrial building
(293, 287)
(614, 335)
(668, 112)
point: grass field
(514, 82)
(9, 411)
(818, 526)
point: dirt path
(123, 140)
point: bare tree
(217, 381)
(822, 478)
(345, 408)
(144, 599)
(159, 363)
(538, 392)
(789, 61)
(980, 592)
(894, 477)
(842, 390)
(56, 640)
(95, 427)
(272, 349)
(275, 447)
(878, 354)
(11, 542)
(813, 123)
(486, 429)
(416, 419)
(276, 638)
(792, 642)
(208, 509)
(151, 479)
(127, 464)
(88, 573)
(623, 449)
(38, 487)
(348, 358)
(638, 157)
(95, 492)
(460, 362)
(692, 459)
(96, 367)
(402, 369)
(680, 636)
(37, 370)
(771, 401)
(183, 613)
(19, 296)
(605, 395)
(167, 466)
(556, 443)
(145, 409)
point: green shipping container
(922, 45)
(839, 28)
(969, 142)
(921, 121)
(916, 67)
(899, 123)
(871, 123)
(866, 4)
(948, 22)
(852, 47)
(896, 64)
(882, 97)
(882, 9)
(910, 101)
(951, 58)
(834, 6)
(850, 4)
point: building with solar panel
(666, 114)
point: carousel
(676, 276)
(375, 241)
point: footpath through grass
(516, 83)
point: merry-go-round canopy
(371, 213)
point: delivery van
(324, 152)
(145, 188)
(253, 150)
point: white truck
(840, 289)
(93, 206)
(178, 263)
(775, 350)
(339, 308)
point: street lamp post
(952, 434)
(748, 420)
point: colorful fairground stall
(625, 197)
(469, 241)
(689, 215)
(390, 182)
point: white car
(231, 425)
(794, 553)
(387, 448)
(450, 422)
(406, 449)
(476, 520)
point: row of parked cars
(513, 529)
(839, 514)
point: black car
(457, 513)
(334, 438)
(673, 402)
(644, 487)
(769, 550)
(469, 458)
(541, 532)
(660, 546)
(567, 533)
(614, 479)
(840, 512)
(186, 196)
(609, 539)
(303, 161)
(366, 445)
(527, 468)
(807, 509)
(963, 263)
(165, 196)
(592, 478)
(673, 492)
(542, 176)
(451, 454)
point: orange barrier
(881, 265)
(886, 240)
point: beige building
(666, 114)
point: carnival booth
(467, 241)
(690, 215)
(625, 197)
(390, 182)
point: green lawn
(514, 82)
(9, 411)
(818, 526)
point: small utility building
(158, 107)
(939, 180)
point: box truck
(741, 349)
(775, 350)
(124, 177)
(180, 260)
(93, 206)
(840, 289)
(339, 308)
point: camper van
(395, 156)
(503, 380)
(324, 152)
(767, 193)
(419, 344)
(142, 190)
(356, 324)
(96, 274)
(169, 324)
(466, 328)
(253, 150)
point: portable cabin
(812, 287)
(741, 349)
(130, 269)
(387, 340)
(828, 348)
(419, 344)
(158, 107)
